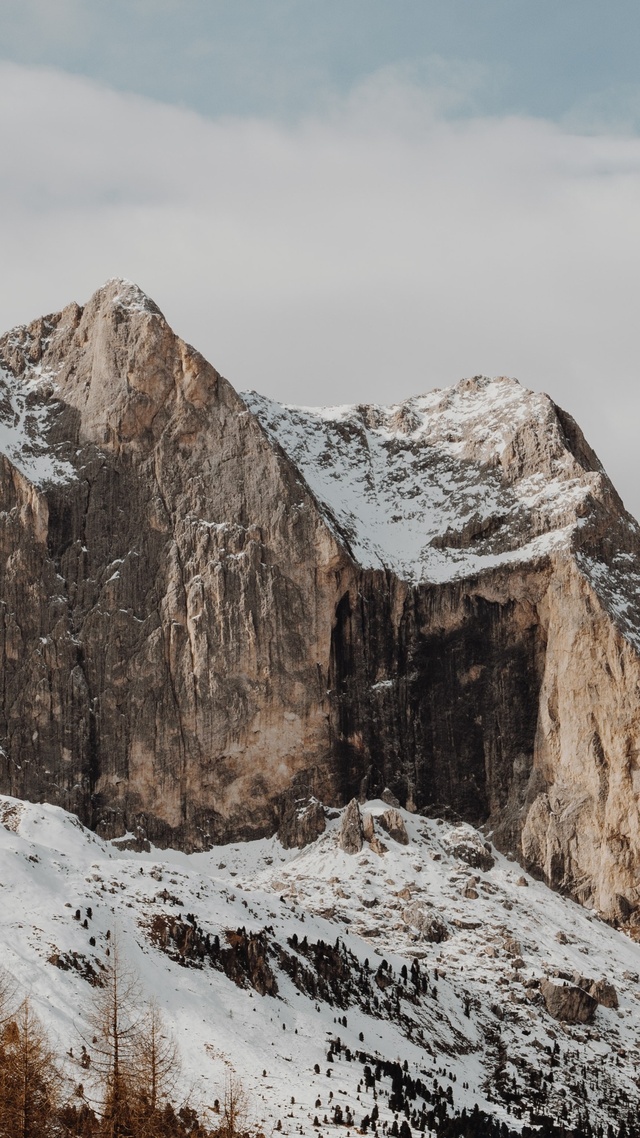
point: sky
(341, 200)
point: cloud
(384, 247)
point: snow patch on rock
(438, 487)
(25, 418)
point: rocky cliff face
(217, 608)
(168, 586)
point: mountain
(428, 958)
(223, 617)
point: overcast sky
(341, 200)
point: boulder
(601, 990)
(390, 798)
(430, 926)
(377, 846)
(604, 992)
(368, 828)
(465, 844)
(393, 822)
(567, 1002)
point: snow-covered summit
(444, 484)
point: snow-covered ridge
(129, 297)
(474, 1026)
(436, 487)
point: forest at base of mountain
(133, 1072)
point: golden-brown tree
(157, 1071)
(115, 1021)
(7, 997)
(30, 1079)
(235, 1109)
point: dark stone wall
(434, 693)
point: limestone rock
(604, 992)
(213, 602)
(171, 584)
(431, 927)
(393, 823)
(377, 846)
(351, 833)
(568, 1003)
(368, 828)
(463, 843)
(301, 822)
(390, 798)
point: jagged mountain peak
(127, 295)
(449, 483)
(115, 363)
(216, 608)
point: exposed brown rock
(389, 798)
(301, 822)
(163, 602)
(431, 927)
(368, 828)
(568, 1003)
(393, 823)
(466, 845)
(351, 834)
(188, 638)
(603, 991)
(377, 846)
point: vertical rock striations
(218, 613)
(168, 593)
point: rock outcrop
(351, 830)
(301, 822)
(392, 823)
(168, 587)
(430, 926)
(567, 1002)
(465, 844)
(603, 991)
(215, 607)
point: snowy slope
(25, 421)
(474, 1024)
(427, 487)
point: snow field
(499, 940)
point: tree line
(128, 1065)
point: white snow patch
(419, 488)
(24, 421)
